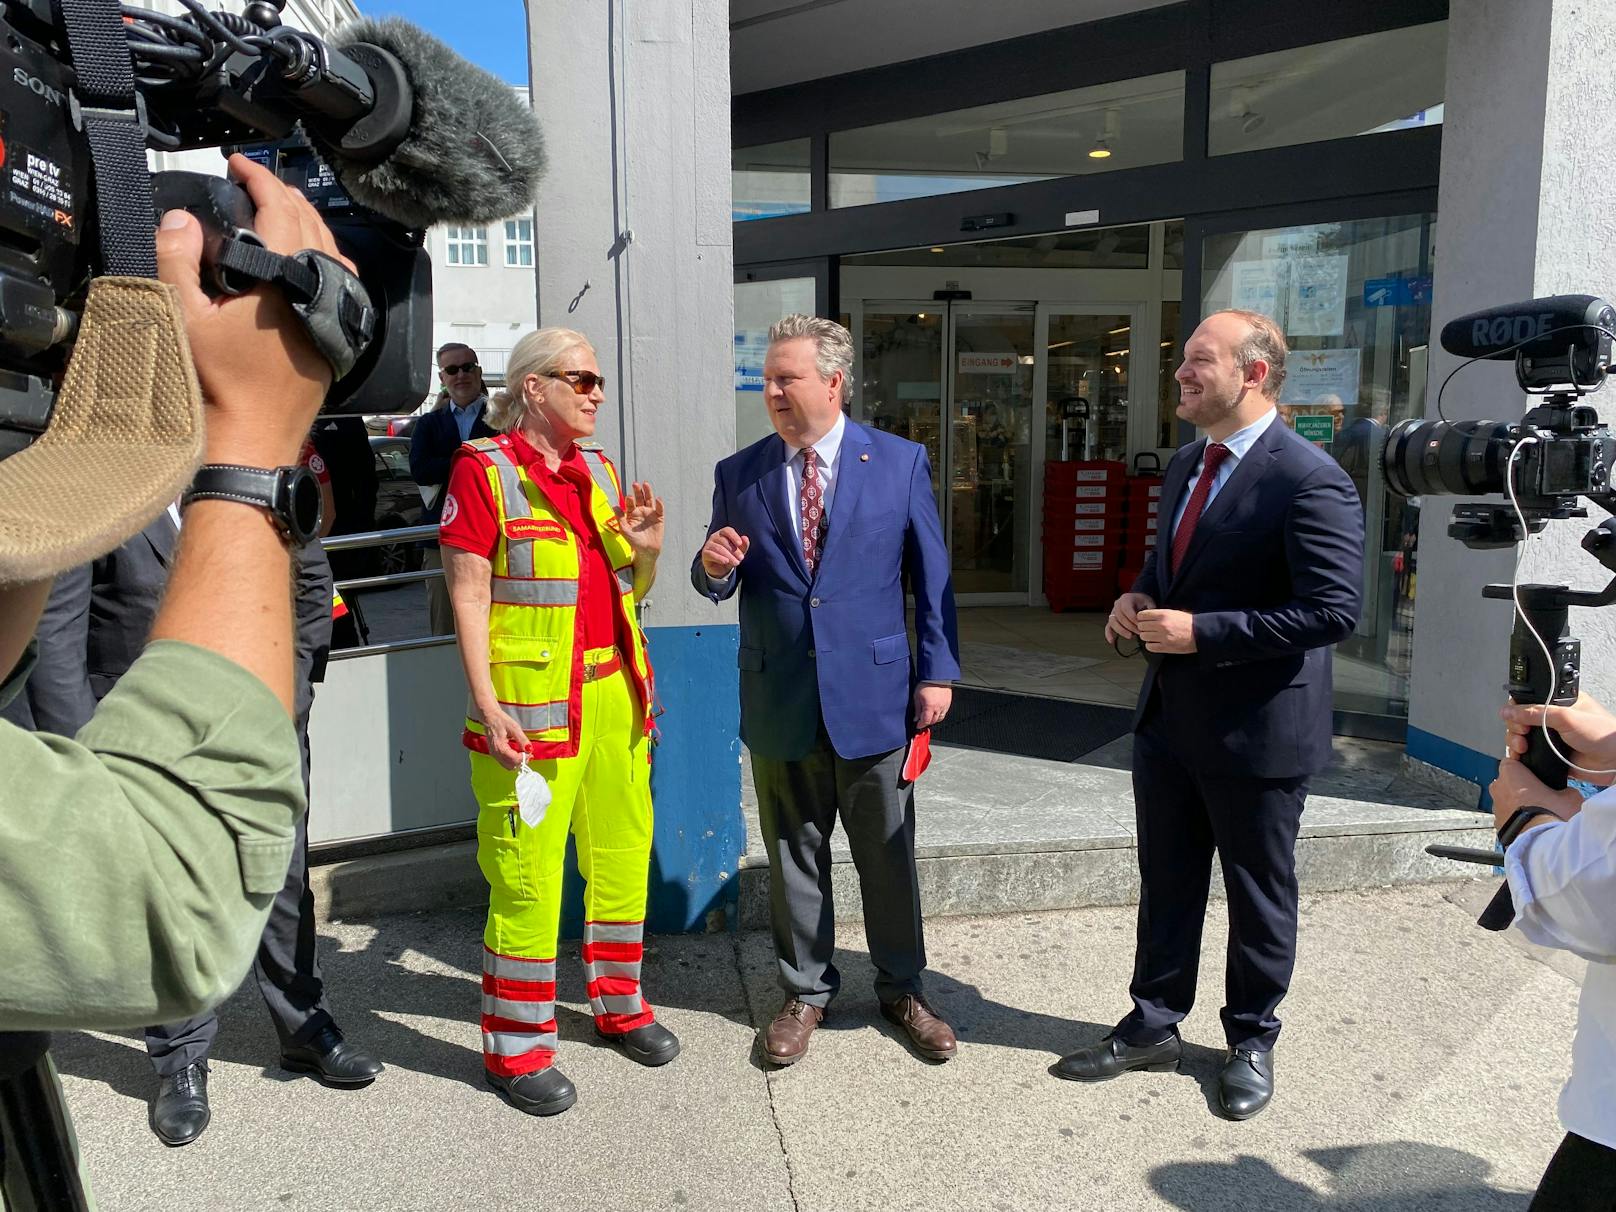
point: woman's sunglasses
(583, 381)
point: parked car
(398, 501)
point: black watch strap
(1519, 820)
(290, 495)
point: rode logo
(1509, 330)
(35, 84)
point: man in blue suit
(818, 527)
(1259, 573)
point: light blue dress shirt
(1239, 443)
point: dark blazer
(433, 443)
(835, 644)
(1274, 576)
(100, 615)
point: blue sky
(491, 33)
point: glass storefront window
(757, 306)
(1354, 300)
(1090, 248)
(769, 180)
(1166, 384)
(1083, 130)
(1332, 90)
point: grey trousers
(798, 803)
(439, 610)
(287, 966)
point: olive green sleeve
(138, 861)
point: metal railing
(385, 538)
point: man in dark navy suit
(456, 418)
(1259, 573)
(818, 526)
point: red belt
(594, 671)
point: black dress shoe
(546, 1092)
(651, 1045)
(332, 1059)
(1246, 1083)
(180, 1112)
(1112, 1057)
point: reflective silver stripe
(595, 970)
(613, 932)
(518, 1011)
(509, 968)
(625, 579)
(514, 503)
(603, 477)
(615, 1003)
(533, 717)
(513, 1043)
(511, 592)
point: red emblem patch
(534, 528)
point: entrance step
(997, 833)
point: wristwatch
(290, 495)
(1519, 820)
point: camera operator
(1561, 866)
(139, 860)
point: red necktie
(1216, 452)
(813, 509)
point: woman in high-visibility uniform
(546, 561)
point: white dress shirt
(1239, 443)
(825, 451)
(1563, 878)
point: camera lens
(1430, 458)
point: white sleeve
(1563, 878)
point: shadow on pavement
(1393, 1176)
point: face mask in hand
(532, 795)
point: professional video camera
(1556, 455)
(412, 134)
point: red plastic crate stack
(1144, 504)
(1084, 532)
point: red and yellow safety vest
(535, 657)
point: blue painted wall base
(1456, 759)
(695, 783)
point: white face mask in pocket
(532, 795)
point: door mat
(1052, 729)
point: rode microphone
(1558, 343)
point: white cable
(1515, 594)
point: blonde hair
(538, 353)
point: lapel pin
(864, 458)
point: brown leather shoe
(785, 1039)
(931, 1036)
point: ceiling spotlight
(1110, 131)
(937, 250)
(1100, 151)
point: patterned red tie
(1216, 452)
(813, 510)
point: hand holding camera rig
(1545, 465)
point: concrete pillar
(633, 246)
(1529, 132)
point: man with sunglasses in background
(457, 418)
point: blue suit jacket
(834, 646)
(433, 443)
(1273, 576)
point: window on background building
(1354, 301)
(1083, 130)
(519, 243)
(466, 245)
(1333, 90)
(757, 306)
(769, 180)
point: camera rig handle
(1544, 612)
